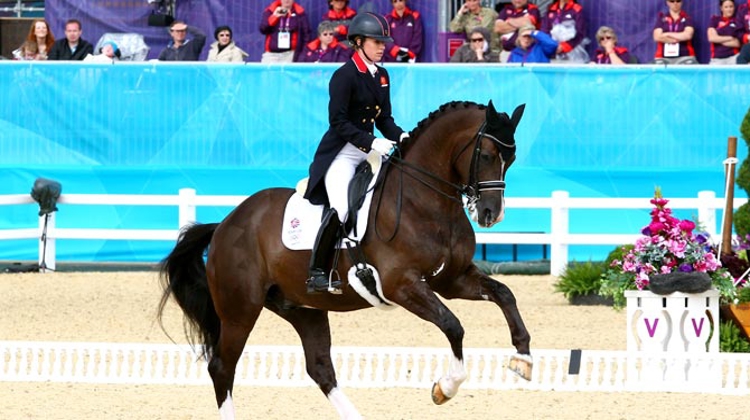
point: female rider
(359, 99)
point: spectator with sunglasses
(407, 33)
(326, 48)
(514, 15)
(533, 46)
(477, 49)
(472, 14)
(181, 48)
(609, 52)
(224, 50)
(341, 15)
(673, 34)
(725, 34)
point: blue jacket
(541, 50)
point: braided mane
(442, 110)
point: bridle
(472, 189)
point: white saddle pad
(302, 218)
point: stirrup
(320, 283)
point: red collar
(359, 62)
(407, 12)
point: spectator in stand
(566, 24)
(609, 52)
(109, 52)
(724, 34)
(341, 15)
(476, 49)
(224, 50)
(326, 48)
(533, 46)
(72, 47)
(406, 31)
(743, 19)
(181, 48)
(673, 34)
(287, 31)
(513, 16)
(39, 39)
(471, 15)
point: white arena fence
(362, 367)
(559, 238)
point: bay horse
(418, 237)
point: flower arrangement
(668, 245)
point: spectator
(406, 31)
(743, 20)
(472, 14)
(476, 49)
(341, 15)
(181, 48)
(533, 46)
(326, 48)
(109, 52)
(287, 31)
(224, 49)
(609, 52)
(39, 39)
(724, 34)
(513, 16)
(673, 34)
(72, 47)
(566, 24)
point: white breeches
(338, 176)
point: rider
(359, 98)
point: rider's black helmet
(370, 25)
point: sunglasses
(397, 1)
(223, 35)
(674, 1)
(327, 34)
(477, 39)
(605, 37)
(177, 30)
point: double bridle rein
(472, 189)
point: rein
(472, 190)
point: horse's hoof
(437, 395)
(521, 365)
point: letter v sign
(651, 330)
(697, 328)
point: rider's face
(373, 49)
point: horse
(418, 237)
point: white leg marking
(342, 404)
(456, 375)
(226, 411)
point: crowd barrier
(361, 367)
(559, 205)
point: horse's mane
(445, 108)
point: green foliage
(580, 279)
(731, 339)
(614, 284)
(742, 214)
(743, 295)
(618, 253)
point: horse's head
(495, 151)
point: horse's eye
(486, 157)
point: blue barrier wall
(152, 128)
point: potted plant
(668, 245)
(739, 310)
(580, 283)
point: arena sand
(121, 307)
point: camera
(282, 11)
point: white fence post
(47, 255)
(706, 211)
(559, 232)
(187, 207)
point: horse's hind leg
(223, 362)
(315, 333)
(477, 286)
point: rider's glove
(382, 146)
(404, 136)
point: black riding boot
(325, 242)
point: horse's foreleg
(315, 333)
(223, 362)
(477, 286)
(420, 300)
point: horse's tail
(183, 276)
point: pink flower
(687, 225)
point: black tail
(183, 276)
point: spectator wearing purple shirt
(743, 20)
(287, 31)
(513, 16)
(566, 24)
(325, 48)
(673, 34)
(609, 52)
(724, 34)
(406, 31)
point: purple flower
(686, 268)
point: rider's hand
(382, 146)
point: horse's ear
(517, 114)
(491, 113)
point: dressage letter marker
(574, 366)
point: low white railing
(559, 204)
(361, 367)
